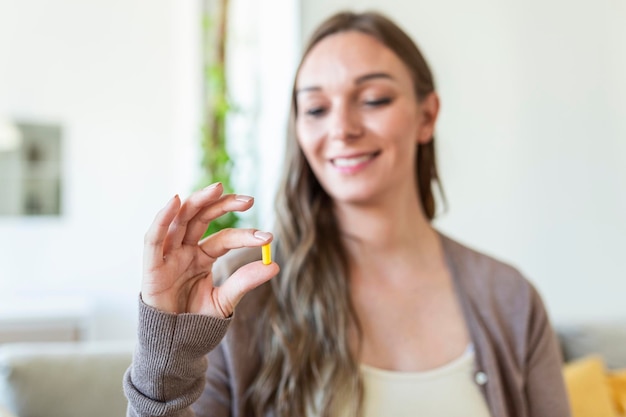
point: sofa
(595, 368)
(63, 379)
(85, 379)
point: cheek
(309, 137)
(399, 128)
(407, 122)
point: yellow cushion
(617, 382)
(588, 388)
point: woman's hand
(177, 269)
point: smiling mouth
(350, 162)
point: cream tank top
(447, 391)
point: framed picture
(30, 172)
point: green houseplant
(216, 162)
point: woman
(373, 311)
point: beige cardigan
(518, 362)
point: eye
(377, 102)
(315, 111)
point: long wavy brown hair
(308, 367)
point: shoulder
(492, 287)
(498, 300)
(483, 272)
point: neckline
(467, 357)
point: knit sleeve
(545, 388)
(168, 370)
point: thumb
(242, 281)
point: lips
(353, 161)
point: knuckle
(178, 224)
(225, 307)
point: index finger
(195, 203)
(156, 233)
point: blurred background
(101, 109)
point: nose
(345, 123)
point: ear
(429, 110)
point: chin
(350, 195)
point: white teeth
(350, 162)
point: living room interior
(105, 100)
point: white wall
(122, 79)
(532, 136)
(263, 54)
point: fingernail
(243, 198)
(264, 236)
(212, 186)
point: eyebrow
(360, 80)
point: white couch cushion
(64, 379)
(607, 339)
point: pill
(266, 250)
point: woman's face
(358, 120)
